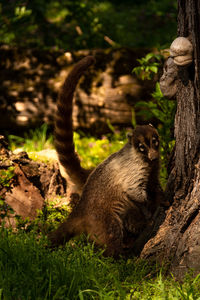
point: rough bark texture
(178, 237)
(33, 184)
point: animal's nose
(153, 154)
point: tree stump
(32, 184)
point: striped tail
(64, 144)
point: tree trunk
(178, 238)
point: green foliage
(34, 140)
(93, 151)
(73, 24)
(29, 270)
(160, 288)
(5, 210)
(164, 111)
(6, 177)
(148, 66)
(66, 24)
(160, 108)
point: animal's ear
(129, 136)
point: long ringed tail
(64, 125)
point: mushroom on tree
(168, 79)
(181, 55)
(181, 50)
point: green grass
(29, 270)
(33, 140)
(93, 151)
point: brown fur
(76, 175)
(119, 196)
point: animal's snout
(153, 155)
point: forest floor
(29, 269)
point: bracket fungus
(181, 50)
(168, 79)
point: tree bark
(178, 238)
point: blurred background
(41, 40)
(88, 24)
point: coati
(120, 195)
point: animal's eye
(141, 147)
(155, 141)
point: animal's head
(145, 140)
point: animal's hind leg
(108, 233)
(71, 227)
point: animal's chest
(129, 173)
